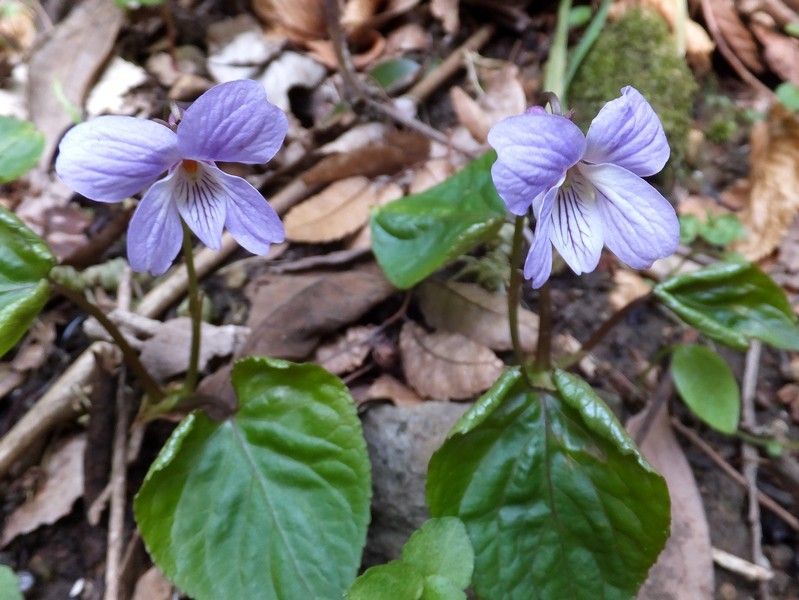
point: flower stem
(584, 45)
(151, 387)
(542, 352)
(515, 289)
(555, 73)
(195, 312)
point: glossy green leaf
(417, 235)
(557, 501)
(25, 261)
(436, 564)
(706, 384)
(732, 303)
(9, 584)
(272, 503)
(21, 145)
(395, 73)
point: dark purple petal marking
(111, 158)
(201, 201)
(576, 227)
(232, 122)
(628, 133)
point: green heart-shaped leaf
(557, 501)
(272, 503)
(417, 235)
(25, 260)
(731, 303)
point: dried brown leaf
(687, 555)
(373, 45)
(431, 173)
(446, 365)
(348, 351)
(410, 37)
(446, 11)
(736, 34)
(399, 150)
(337, 211)
(470, 310)
(774, 178)
(781, 52)
(356, 138)
(62, 486)
(629, 286)
(152, 586)
(166, 354)
(70, 59)
(299, 21)
(387, 387)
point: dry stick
(767, 501)
(751, 457)
(57, 404)
(119, 466)
(735, 62)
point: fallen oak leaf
(387, 387)
(348, 351)
(445, 365)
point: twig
(741, 566)
(767, 501)
(751, 457)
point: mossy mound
(637, 50)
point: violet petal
(628, 133)
(250, 219)
(201, 200)
(538, 264)
(232, 122)
(576, 229)
(111, 158)
(155, 233)
(534, 150)
(639, 224)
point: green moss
(637, 50)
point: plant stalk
(195, 312)
(515, 289)
(542, 353)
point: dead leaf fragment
(238, 47)
(780, 52)
(446, 365)
(108, 94)
(736, 34)
(446, 11)
(480, 315)
(337, 211)
(299, 21)
(290, 70)
(687, 556)
(387, 387)
(774, 178)
(629, 286)
(62, 486)
(69, 61)
(152, 586)
(347, 352)
(166, 354)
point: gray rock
(401, 440)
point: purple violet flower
(586, 190)
(112, 157)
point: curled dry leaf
(629, 286)
(299, 21)
(446, 365)
(470, 310)
(337, 211)
(503, 97)
(166, 354)
(348, 351)
(774, 179)
(290, 70)
(62, 486)
(736, 34)
(780, 52)
(372, 43)
(687, 555)
(237, 47)
(387, 387)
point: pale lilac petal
(201, 200)
(538, 265)
(110, 158)
(534, 150)
(155, 233)
(250, 219)
(640, 225)
(628, 133)
(232, 122)
(576, 229)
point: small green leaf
(788, 94)
(417, 235)
(732, 303)
(25, 261)
(722, 230)
(690, 226)
(557, 501)
(272, 503)
(436, 564)
(579, 16)
(706, 384)
(792, 29)
(134, 4)
(21, 145)
(394, 74)
(9, 584)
